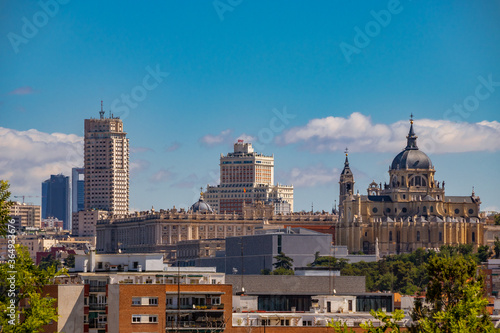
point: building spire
(346, 163)
(101, 113)
(411, 139)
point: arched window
(390, 236)
(432, 209)
(440, 236)
(425, 209)
(473, 236)
(429, 235)
(418, 236)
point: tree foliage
(21, 282)
(328, 261)
(407, 273)
(23, 308)
(5, 204)
(282, 261)
(389, 322)
(455, 297)
(497, 219)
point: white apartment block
(246, 177)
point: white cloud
(161, 176)
(214, 140)
(29, 157)
(173, 147)
(246, 138)
(138, 150)
(310, 176)
(137, 166)
(361, 135)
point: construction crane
(26, 196)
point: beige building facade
(106, 164)
(410, 212)
(245, 177)
(26, 215)
(160, 231)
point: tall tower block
(106, 164)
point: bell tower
(346, 183)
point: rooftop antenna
(101, 113)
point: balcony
(97, 289)
(97, 325)
(196, 307)
(97, 306)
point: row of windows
(144, 300)
(144, 318)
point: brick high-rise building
(245, 177)
(106, 164)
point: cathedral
(410, 212)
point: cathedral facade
(410, 212)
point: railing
(96, 306)
(97, 289)
(97, 325)
(196, 324)
(196, 307)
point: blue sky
(296, 78)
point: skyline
(299, 81)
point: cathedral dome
(201, 207)
(411, 157)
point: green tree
(497, 219)
(388, 321)
(283, 271)
(483, 253)
(70, 261)
(282, 261)
(455, 295)
(5, 204)
(49, 261)
(496, 247)
(21, 283)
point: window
(153, 319)
(216, 300)
(136, 318)
(309, 322)
(440, 236)
(471, 211)
(375, 210)
(136, 301)
(473, 236)
(153, 301)
(457, 211)
(418, 236)
(390, 236)
(404, 210)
